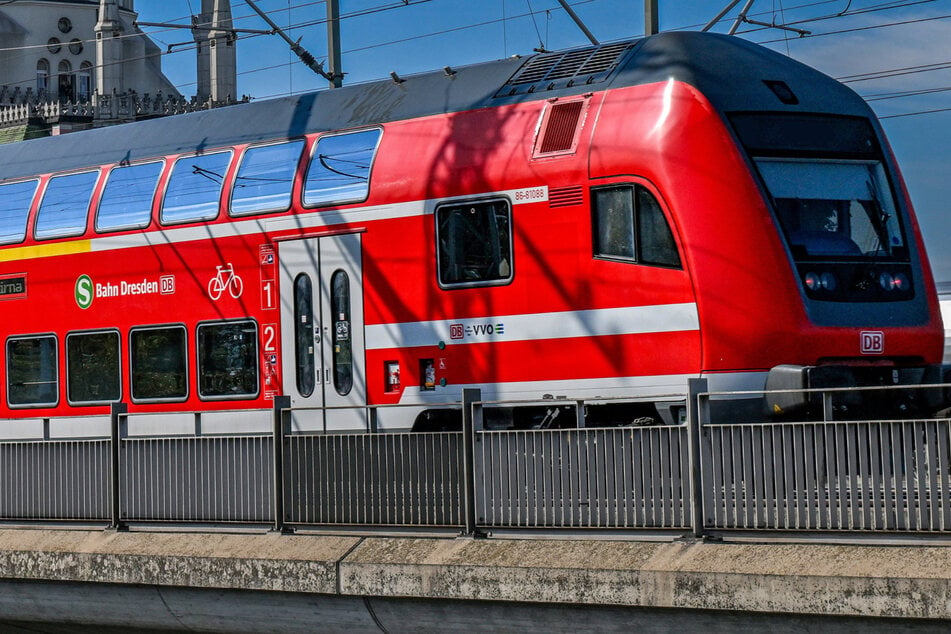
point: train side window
(93, 368)
(65, 205)
(474, 243)
(158, 363)
(265, 178)
(630, 225)
(194, 188)
(304, 349)
(32, 374)
(15, 201)
(339, 169)
(126, 201)
(342, 348)
(228, 360)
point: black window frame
(636, 191)
(442, 246)
(10, 373)
(200, 357)
(133, 366)
(97, 363)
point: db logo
(456, 331)
(873, 342)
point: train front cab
(860, 265)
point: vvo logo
(872, 342)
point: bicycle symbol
(225, 278)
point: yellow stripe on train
(45, 250)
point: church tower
(217, 63)
(109, 56)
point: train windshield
(834, 208)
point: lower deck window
(474, 243)
(158, 363)
(228, 360)
(93, 368)
(32, 377)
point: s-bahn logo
(85, 290)
(872, 342)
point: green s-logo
(83, 292)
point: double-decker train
(602, 223)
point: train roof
(731, 72)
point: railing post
(471, 423)
(695, 423)
(116, 412)
(281, 405)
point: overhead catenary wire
(840, 14)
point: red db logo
(873, 342)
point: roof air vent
(552, 71)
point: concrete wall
(224, 582)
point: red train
(601, 223)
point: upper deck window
(15, 201)
(340, 168)
(265, 178)
(194, 188)
(65, 205)
(126, 201)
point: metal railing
(55, 479)
(704, 477)
(583, 478)
(828, 476)
(203, 479)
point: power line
(868, 28)
(895, 72)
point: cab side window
(630, 225)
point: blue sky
(857, 41)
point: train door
(322, 333)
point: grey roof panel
(729, 71)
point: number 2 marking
(270, 334)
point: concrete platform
(259, 582)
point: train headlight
(828, 281)
(820, 281)
(887, 281)
(901, 282)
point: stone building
(69, 64)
